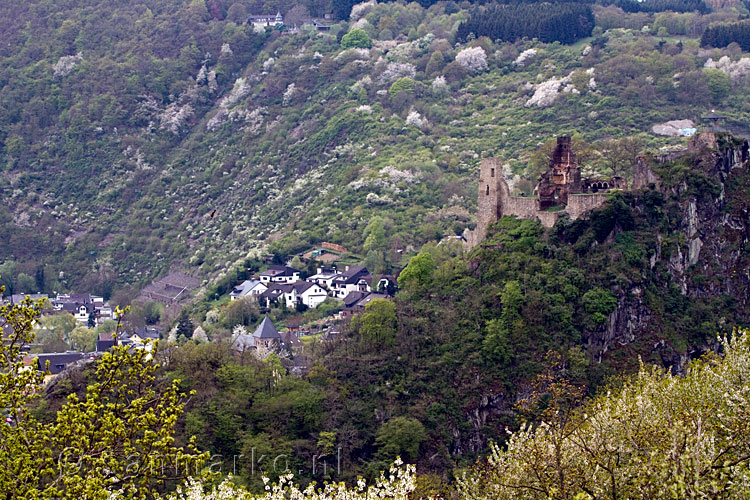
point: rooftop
(266, 330)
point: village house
(310, 294)
(355, 302)
(279, 274)
(58, 361)
(17, 298)
(248, 288)
(147, 333)
(261, 21)
(294, 294)
(82, 306)
(105, 341)
(352, 279)
(324, 277)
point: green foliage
(656, 435)
(400, 436)
(598, 304)
(53, 332)
(418, 273)
(356, 38)
(403, 84)
(243, 311)
(718, 84)
(378, 323)
(116, 440)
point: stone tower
(562, 178)
(489, 199)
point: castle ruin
(560, 190)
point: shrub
(356, 38)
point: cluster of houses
(89, 310)
(54, 363)
(262, 21)
(281, 286)
(284, 286)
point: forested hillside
(443, 371)
(136, 137)
(153, 135)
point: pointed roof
(266, 330)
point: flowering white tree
(289, 94)
(473, 59)
(658, 436)
(525, 57)
(415, 119)
(397, 485)
(439, 85)
(175, 117)
(66, 64)
(360, 9)
(737, 71)
(547, 92)
(396, 70)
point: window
(492, 172)
(487, 191)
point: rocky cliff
(702, 247)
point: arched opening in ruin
(487, 191)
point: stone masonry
(561, 186)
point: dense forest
(721, 35)
(663, 5)
(561, 22)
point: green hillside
(138, 137)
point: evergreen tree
(185, 325)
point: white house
(279, 274)
(281, 293)
(263, 20)
(248, 288)
(324, 277)
(291, 294)
(353, 279)
(310, 294)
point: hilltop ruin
(560, 190)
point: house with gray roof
(248, 288)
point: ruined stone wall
(578, 204)
(548, 219)
(523, 207)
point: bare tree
(296, 16)
(620, 155)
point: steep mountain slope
(135, 137)
(657, 273)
